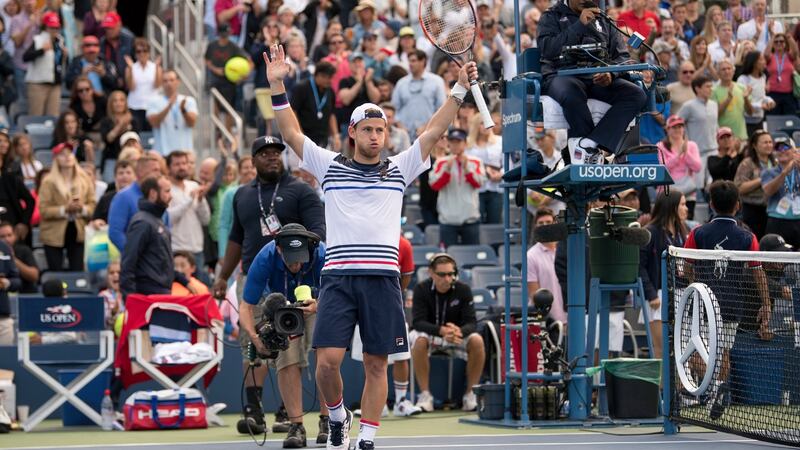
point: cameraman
(293, 259)
(573, 22)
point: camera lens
(288, 321)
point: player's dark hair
(325, 68)
(724, 197)
(148, 185)
(699, 81)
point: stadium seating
(44, 156)
(787, 124)
(77, 282)
(412, 214)
(147, 138)
(432, 236)
(413, 234)
(24, 120)
(483, 299)
(423, 253)
(516, 254)
(469, 256)
(491, 234)
(41, 260)
(516, 296)
(490, 278)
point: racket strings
(450, 24)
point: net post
(670, 427)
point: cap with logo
(456, 134)
(61, 147)
(111, 20)
(295, 243)
(724, 131)
(774, 243)
(674, 121)
(266, 142)
(782, 144)
(367, 111)
(51, 20)
(91, 41)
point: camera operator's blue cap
(266, 142)
(456, 134)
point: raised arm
(444, 116)
(277, 69)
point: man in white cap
(363, 199)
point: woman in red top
(781, 54)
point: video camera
(280, 320)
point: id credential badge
(273, 224)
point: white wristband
(458, 92)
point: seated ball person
(444, 318)
(573, 22)
(293, 259)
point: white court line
(493, 444)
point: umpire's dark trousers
(626, 100)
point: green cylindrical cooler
(611, 261)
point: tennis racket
(451, 26)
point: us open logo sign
(61, 316)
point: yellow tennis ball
(120, 320)
(237, 69)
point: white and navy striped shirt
(362, 207)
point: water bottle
(107, 411)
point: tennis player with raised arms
(361, 277)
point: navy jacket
(147, 266)
(560, 26)
(431, 310)
(8, 270)
(650, 260)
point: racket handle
(484, 111)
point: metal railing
(219, 124)
(158, 37)
(187, 69)
(188, 25)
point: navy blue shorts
(374, 302)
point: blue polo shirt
(268, 274)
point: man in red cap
(104, 76)
(116, 44)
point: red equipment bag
(166, 409)
(535, 358)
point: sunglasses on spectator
(91, 45)
(142, 50)
(337, 42)
(687, 72)
(780, 41)
(445, 274)
(82, 90)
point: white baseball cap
(128, 135)
(367, 111)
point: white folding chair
(53, 315)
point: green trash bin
(611, 261)
(632, 387)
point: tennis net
(735, 342)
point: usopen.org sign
(612, 173)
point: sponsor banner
(61, 314)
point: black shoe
(322, 435)
(282, 422)
(253, 421)
(296, 437)
(721, 400)
(339, 432)
(366, 445)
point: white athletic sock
(367, 431)
(400, 389)
(336, 411)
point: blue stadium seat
(41, 260)
(44, 156)
(469, 256)
(41, 138)
(422, 255)
(432, 235)
(148, 139)
(413, 234)
(24, 120)
(516, 256)
(412, 213)
(787, 124)
(77, 282)
(483, 299)
(491, 234)
(516, 296)
(490, 278)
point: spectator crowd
(107, 144)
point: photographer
(293, 259)
(570, 23)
